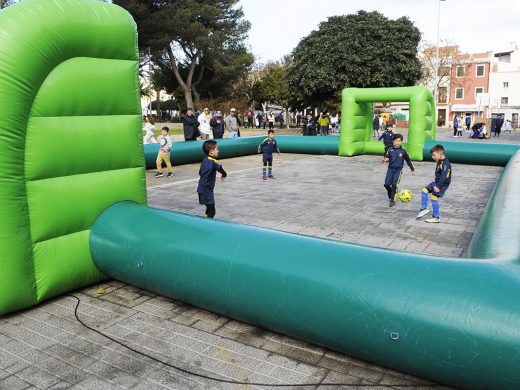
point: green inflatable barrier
(70, 140)
(357, 118)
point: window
(461, 71)
(504, 100)
(443, 95)
(481, 70)
(444, 71)
(459, 93)
(478, 90)
(506, 84)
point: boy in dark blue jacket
(387, 137)
(268, 147)
(208, 173)
(438, 187)
(395, 157)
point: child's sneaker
(422, 213)
(264, 178)
(169, 174)
(433, 220)
(158, 174)
(272, 177)
(392, 203)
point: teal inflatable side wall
(458, 152)
(456, 321)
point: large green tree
(362, 50)
(5, 3)
(274, 87)
(191, 36)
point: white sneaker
(422, 213)
(433, 220)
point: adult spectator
(498, 125)
(217, 125)
(375, 125)
(231, 122)
(270, 119)
(250, 117)
(309, 126)
(204, 127)
(281, 120)
(190, 126)
(468, 122)
(259, 120)
(324, 122)
(298, 120)
(334, 123)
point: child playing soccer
(438, 187)
(387, 137)
(267, 147)
(208, 173)
(395, 157)
(165, 145)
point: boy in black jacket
(395, 157)
(208, 173)
(387, 137)
(267, 147)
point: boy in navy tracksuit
(267, 147)
(208, 173)
(438, 187)
(387, 137)
(395, 157)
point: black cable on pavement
(230, 380)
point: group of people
(207, 126)
(323, 124)
(479, 129)
(204, 126)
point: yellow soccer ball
(405, 196)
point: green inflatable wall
(70, 136)
(357, 118)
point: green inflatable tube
(456, 321)
(191, 152)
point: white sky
(476, 26)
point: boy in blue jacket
(438, 187)
(387, 137)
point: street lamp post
(437, 60)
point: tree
(362, 50)
(5, 3)
(188, 35)
(274, 87)
(449, 55)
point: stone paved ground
(46, 348)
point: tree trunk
(158, 102)
(196, 95)
(186, 86)
(287, 118)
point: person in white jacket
(149, 137)
(204, 127)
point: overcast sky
(475, 25)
